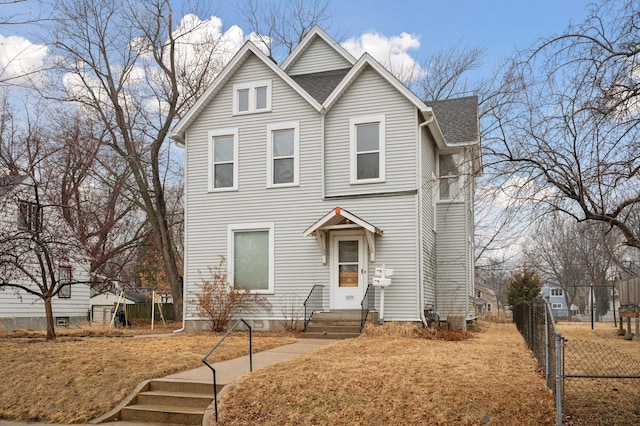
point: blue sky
(499, 26)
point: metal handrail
(213, 370)
(365, 305)
(311, 302)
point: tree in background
(38, 253)
(523, 286)
(568, 133)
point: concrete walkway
(227, 372)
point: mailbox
(384, 272)
(381, 282)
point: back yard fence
(592, 383)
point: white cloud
(392, 52)
(20, 60)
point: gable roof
(338, 215)
(458, 119)
(307, 41)
(221, 79)
(320, 84)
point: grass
(87, 371)
(399, 375)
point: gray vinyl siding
(452, 260)
(427, 168)
(298, 260)
(371, 94)
(292, 209)
(318, 57)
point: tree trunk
(51, 330)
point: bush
(523, 286)
(218, 301)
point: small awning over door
(340, 219)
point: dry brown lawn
(88, 371)
(399, 377)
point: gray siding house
(319, 171)
(20, 309)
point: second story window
(223, 160)
(556, 292)
(283, 154)
(367, 135)
(254, 97)
(65, 273)
(449, 171)
(29, 216)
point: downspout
(181, 143)
(420, 193)
(322, 142)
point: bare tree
(134, 73)
(571, 126)
(38, 254)
(279, 26)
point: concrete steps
(335, 325)
(168, 401)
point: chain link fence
(593, 384)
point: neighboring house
(19, 309)
(486, 301)
(557, 300)
(322, 169)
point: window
(283, 154)
(488, 307)
(367, 136)
(556, 306)
(556, 292)
(223, 160)
(64, 276)
(449, 165)
(29, 216)
(250, 254)
(249, 98)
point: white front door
(348, 271)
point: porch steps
(335, 325)
(169, 401)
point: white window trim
(262, 226)
(556, 306)
(365, 119)
(559, 292)
(212, 135)
(459, 196)
(295, 125)
(251, 86)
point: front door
(348, 271)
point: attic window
(250, 98)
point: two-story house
(322, 169)
(22, 216)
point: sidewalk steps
(170, 401)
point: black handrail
(213, 370)
(312, 303)
(366, 304)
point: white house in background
(486, 301)
(322, 169)
(19, 309)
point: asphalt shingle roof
(458, 119)
(320, 84)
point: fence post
(559, 372)
(547, 346)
